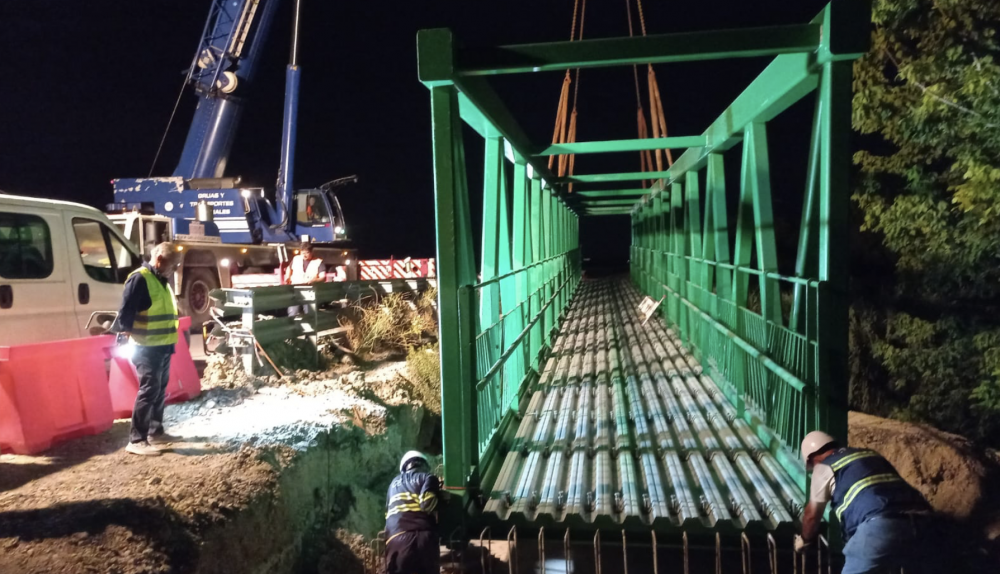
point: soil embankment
(270, 476)
(961, 481)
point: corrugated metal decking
(623, 427)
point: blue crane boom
(221, 71)
(224, 64)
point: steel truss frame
(786, 372)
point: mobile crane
(228, 234)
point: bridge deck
(624, 428)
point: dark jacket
(868, 486)
(410, 503)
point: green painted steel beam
(603, 177)
(613, 192)
(612, 146)
(609, 202)
(656, 49)
(479, 104)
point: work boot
(162, 439)
(142, 449)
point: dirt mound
(94, 508)
(946, 468)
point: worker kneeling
(886, 523)
(411, 519)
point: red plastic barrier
(184, 382)
(53, 391)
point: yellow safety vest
(158, 324)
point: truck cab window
(311, 208)
(25, 247)
(104, 256)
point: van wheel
(198, 283)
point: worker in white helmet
(411, 518)
(885, 522)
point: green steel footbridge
(565, 413)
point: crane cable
(565, 131)
(657, 115)
(166, 131)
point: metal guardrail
(256, 307)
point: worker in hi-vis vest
(411, 545)
(887, 525)
(148, 317)
(305, 268)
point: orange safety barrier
(184, 382)
(53, 391)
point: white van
(62, 269)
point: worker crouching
(886, 523)
(411, 518)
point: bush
(424, 367)
(394, 324)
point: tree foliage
(927, 101)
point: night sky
(86, 89)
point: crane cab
(318, 215)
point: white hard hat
(410, 456)
(814, 441)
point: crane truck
(229, 234)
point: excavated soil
(270, 476)
(960, 480)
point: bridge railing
(508, 349)
(767, 370)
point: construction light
(244, 250)
(338, 230)
(348, 262)
(224, 262)
(180, 248)
(125, 351)
(245, 193)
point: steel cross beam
(612, 192)
(676, 142)
(656, 49)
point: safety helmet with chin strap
(813, 443)
(411, 457)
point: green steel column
(662, 246)
(511, 326)
(834, 251)
(489, 298)
(716, 181)
(548, 217)
(456, 271)
(522, 187)
(755, 141)
(680, 251)
(537, 278)
(805, 259)
(693, 221)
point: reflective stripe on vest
(157, 325)
(862, 484)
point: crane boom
(221, 70)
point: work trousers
(413, 553)
(153, 366)
(893, 544)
